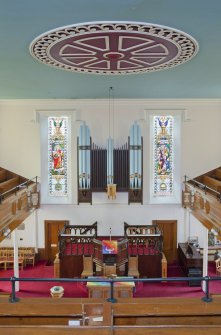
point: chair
(87, 267)
(3, 256)
(29, 256)
(133, 267)
(218, 266)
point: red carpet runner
(79, 290)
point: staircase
(202, 195)
(15, 200)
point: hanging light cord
(111, 97)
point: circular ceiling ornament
(114, 47)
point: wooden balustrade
(202, 195)
(14, 210)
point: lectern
(109, 251)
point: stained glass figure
(163, 155)
(57, 155)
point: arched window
(57, 155)
(163, 155)
(163, 166)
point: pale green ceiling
(23, 77)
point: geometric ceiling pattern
(114, 47)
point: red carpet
(75, 290)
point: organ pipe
(135, 152)
(110, 161)
(84, 160)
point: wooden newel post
(164, 266)
(57, 267)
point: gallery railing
(203, 187)
(112, 281)
(16, 189)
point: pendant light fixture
(111, 187)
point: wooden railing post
(57, 266)
(164, 266)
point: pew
(217, 174)
(53, 330)
(41, 311)
(212, 183)
(9, 184)
(169, 330)
(3, 175)
(167, 316)
(137, 330)
(166, 311)
(127, 311)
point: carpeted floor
(163, 289)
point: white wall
(20, 152)
(195, 229)
(20, 143)
(112, 215)
(26, 237)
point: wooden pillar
(57, 266)
(186, 226)
(16, 265)
(164, 266)
(205, 256)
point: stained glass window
(57, 155)
(163, 155)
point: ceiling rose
(114, 47)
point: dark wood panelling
(149, 266)
(71, 266)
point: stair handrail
(16, 188)
(202, 186)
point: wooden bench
(9, 184)
(3, 175)
(96, 330)
(55, 330)
(166, 311)
(212, 183)
(51, 317)
(217, 174)
(168, 330)
(51, 312)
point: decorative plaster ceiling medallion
(114, 47)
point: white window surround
(149, 167)
(46, 198)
